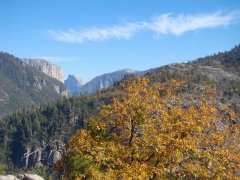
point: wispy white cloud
(177, 25)
(125, 31)
(162, 24)
(59, 59)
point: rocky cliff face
(51, 70)
(37, 156)
(74, 83)
(22, 85)
(106, 80)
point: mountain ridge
(23, 85)
(102, 81)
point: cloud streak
(164, 24)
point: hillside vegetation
(24, 86)
(148, 134)
(60, 120)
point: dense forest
(30, 127)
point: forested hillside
(28, 129)
(22, 85)
(219, 71)
(60, 120)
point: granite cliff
(49, 69)
(22, 85)
(74, 83)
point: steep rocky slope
(74, 83)
(49, 69)
(23, 85)
(219, 71)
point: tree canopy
(148, 133)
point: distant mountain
(74, 83)
(106, 80)
(51, 70)
(22, 85)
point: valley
(25, 131)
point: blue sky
(93, 37)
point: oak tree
(149, 133)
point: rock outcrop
(21, 177)
(74, 83)
(39, 156)
(51, 70)
(29, 177)
(8, 177)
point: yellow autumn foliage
(149, 134)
